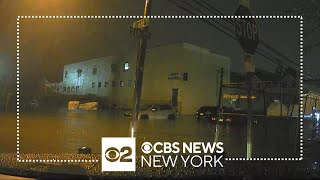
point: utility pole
(220, 87)
(140, 28)
(216, 136)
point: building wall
(84, 80)
(200, 89)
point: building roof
(107, 58)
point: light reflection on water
(65, 132)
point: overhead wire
(259, 50)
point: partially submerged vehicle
(154, 111)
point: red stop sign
(246, 30)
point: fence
(268, 98)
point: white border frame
(169, 17)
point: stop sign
(246, 30)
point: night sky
(47, 44)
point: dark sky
(47, 44)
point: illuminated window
(121, 83)
(113, 83)
(93, 84)
(77, 88)
(99, 84)
(79, 71)
(126, 66)
(66, 74)
(94, 71)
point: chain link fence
(269, 98)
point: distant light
(132, 131)
(317, 116)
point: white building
(88, 77)
(179, 73)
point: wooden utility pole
(140, 29)
(220, 88)
(216, 135)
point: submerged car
(154, 111)
(207, 112)
(211, 113)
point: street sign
(246, 30)
(142, 23)
(236, 96)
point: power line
(210, 7)
(259, 50)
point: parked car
(154, 111)
(207, 112)
(211, 113)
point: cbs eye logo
(118, 154)
(113, 154)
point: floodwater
(65, 132)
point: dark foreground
(59, 135)
(231, 169)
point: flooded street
(65, 132)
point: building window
(64, 89)
(121, 83)
(106, 83)
(113, 83)
(99, 84)
(79, 71)
(72, 88)
(77, 88)
(126, 66)
(129, 83)
(68, 89)
(94, 71)
(66, 74)
(93, 84)
(185, 76)
(113, 68)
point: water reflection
(65, 132)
